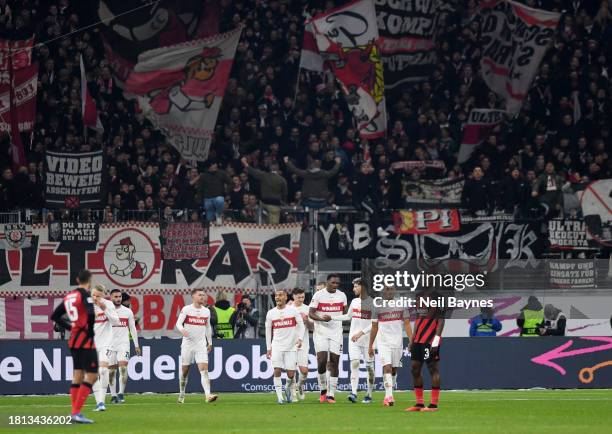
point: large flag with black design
(479, 125)
(514, 40)
(347, 38)
(180, 89)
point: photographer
(554, 322)
(485, 324)
(247, 318)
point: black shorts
(85, 359)
(422, 353)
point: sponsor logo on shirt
(396, 315)
(362, 314)
(284, 323)
(123, 322)
(331, 307)
(101, 317)
(196, 320)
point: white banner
(243, 258)
(514, 39)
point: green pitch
(573, 411)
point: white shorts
(104, 355)
(302, 357)
(284, 359)
(390, 356)
(325, 344)
(357, 352)
(194, 354)
(116, 356)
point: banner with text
(407, 31)
(184, 240)
(426, 221)
(567, 234)
(438, 192)
(243, 257)
(75, 180)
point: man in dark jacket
(211, 187)
(476, 194)
(548, 187)
(515, 192)
(485, 324)
(554, 322)
(315, 181)
(273, 189)
(366, 196)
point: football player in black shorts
(425, 348)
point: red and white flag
(310, 58)
(479, 125)
(347, 38)
(514, 40)
(180, 89)
(88, 105)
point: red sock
(435, 394)
(83, 393)
(418, 392)
(74, 391)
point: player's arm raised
(179, 323)
(111, 313)
(133, 332)
(268, 336)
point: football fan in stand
(284, 334)
(194, 324)
(325, 305)
(78, 305)
(425, 348)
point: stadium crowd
(561, 139)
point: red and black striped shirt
(78, 306)
(426, 324)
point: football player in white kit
(387, 321)
(302, 354)
(106, 318)
(360, 315)
(284, 334)
(194, 324)
(325, 305)
(120, 347)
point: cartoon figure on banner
(125, 253)
(16, 236)
(186, 95)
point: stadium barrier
(45, 367)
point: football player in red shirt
(78, 307)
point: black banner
(84, 232)
(75, 180)
(184, 240)
(566, 234)
(407, 31)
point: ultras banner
(243, 257)
(45, 367)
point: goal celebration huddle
(100, 331)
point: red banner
(429, 221)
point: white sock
(289, 386)
(123, 377)
(205, 382)
(323, 381)
(388, 378)
(103, 372)
(182, 384)
(327, 378)
(278, 388)
(333, 384)
(112, 383)
(354, 376)
(394, 381)
(96, 389)
(301, 380)
(371, 378)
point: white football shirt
(103, 326)
(283, 328)
(196, 321)
(122, 331)
(332, 304)
(390, 325)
